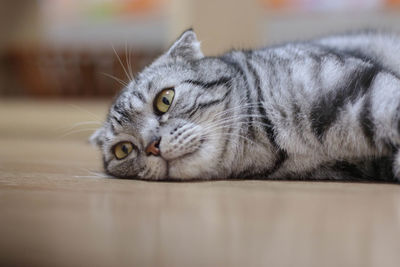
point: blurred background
(65, 48)
(60, 66)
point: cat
(324, 109)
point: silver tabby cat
(323, 109)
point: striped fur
(322, 109)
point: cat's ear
(97, 137)
(186, 47)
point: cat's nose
(153, 147)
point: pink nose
(153, 147)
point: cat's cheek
(156, 169)
(181, 170)
(180, 139)
(204, 164)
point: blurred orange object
(392, 3)
(275, 4)
(140, 6)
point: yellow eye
(122, 150)
(163, 100)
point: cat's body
(324, 109)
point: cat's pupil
(165, 101)
(125, 149)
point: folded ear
(97, 137)
(186, 47)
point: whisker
(94, 173)
(94, 116)
(214, 131)
(75, 125)
(122, 65)
(235, 117)
(87, 176)
(76, 131)
(240, 123)
(128, 58)
(238, 108)
(236, 121)
(121, 82)
(99, 174)
(230, 110)
(233, 135)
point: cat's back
(379, 48)
(382, 48)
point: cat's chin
(186, 169)
(198, 164)
(181, 169)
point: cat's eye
(163, 100)
(122, 149)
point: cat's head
(168, 123)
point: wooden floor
(57, 209)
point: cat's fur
(323, 109)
